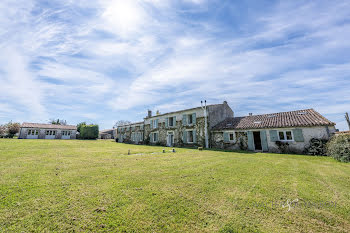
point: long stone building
(47, 131)
(276, 132)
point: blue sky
(107, 60)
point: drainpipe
(206, 123)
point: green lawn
(48, 185)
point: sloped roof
(48, 126)
(107, 131)
(307, 118)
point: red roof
(306, 118)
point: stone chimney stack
(149, 113)
(158, 113)
(250, 114)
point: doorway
(170, 139)
(257, 141)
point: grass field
(48, 185)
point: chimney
(250, 114)
(157, 113)
(149, 113)
(225, 102)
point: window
(50, 132)
(66, 133)
(285, 135)
(155, 137)
(190, 119)
(155, 124)
(33, 132)
(232, 136)
(189, 136)
(171, 121)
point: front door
(170, 139)
(257, 140)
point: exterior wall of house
(240, 141)
(218, 113)
(133, 133)
(178, 129)
(42, 134)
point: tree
(12, 128)
(347, 119)
(79, 126)
(121, 123)
(57, 122)
(89, 131)
(2, 130)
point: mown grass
(95, 186)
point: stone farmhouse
(47, 131)
(273, 132)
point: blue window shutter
(174, 121)
(151, 124)
(184, 138)
(250, 140)
(264, 144)
(273, 136)
(194, 118)
(298, 135)
(184, 119)
(166, 122)
(226, 137)
(194, 136)
(156, 123)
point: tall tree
(80, 125)
(12, 128)
(121, 123)
(347, 119)
(57, 122)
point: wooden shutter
(250, 140)
(151, 124)
(226, 137)
(194, 118)
(166, 122)
(184, 119)
(174, 121)
(298, 135)
(184, 137)
(156, 124)
(273, 136)
(194, 136)
(264, 144)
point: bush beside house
(89, 131)
(339, 148)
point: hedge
(89, 132)
(339, 148)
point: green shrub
(89, 132)
(339, 148)
(317, 147)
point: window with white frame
(50, 132)
(33, 132)
(286, 135)
(154, 137)
(66, 133)
(155, 125)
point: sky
(107, 60)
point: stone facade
(273, 144)
(184, 128)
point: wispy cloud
(107, 60)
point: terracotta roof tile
(307, 117)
